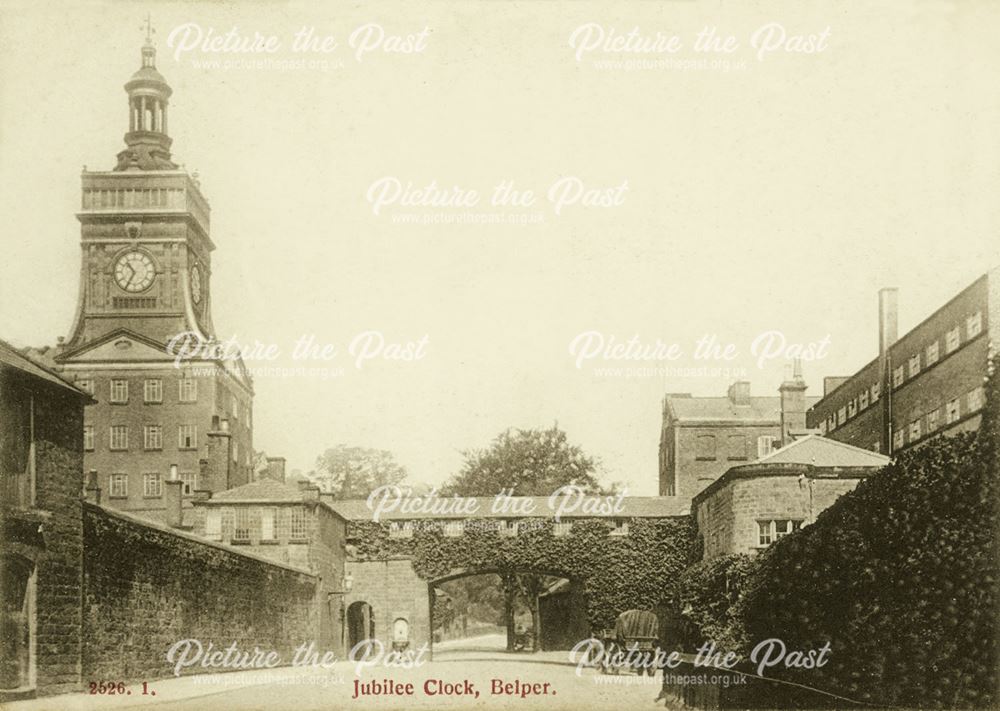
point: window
(152, 437)
(897, 439)
(914, 364)
(736, 447)
(189, 482)
(952, 340)
(822, 427)
(974, 324)
(915, 430)
(952, 411)
(933, 419)
(187, 390)
(770, 531)
(897, 377)
(705, 447)
(876, 447)
(400, 529)
(454, 529)
(118, 486)
(213, 524)
(119, 437)
(562, 528)
(863, 399)
(267, 518)
(152, 391)
(832, 423)
(152, 485)
(119, 391)
(876, 391)
(241, 527)
(765, 445)
(235, 407)
(841, 415)
(619, 527)
(299, 525)
(88, 438)
(187, 437)
(86, 384)
(236, 449)
(931, 353)
(975, 399)
(852, 408)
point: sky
(677, 195)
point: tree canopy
(353, 472)
(532, 462)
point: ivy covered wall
(617, 573)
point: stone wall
(393, 590)
(147, 587)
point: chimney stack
(739, 392)
(276, 468)
(173, 498)
(92, 491)
(793, 404)
(888, 316)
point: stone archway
(360, 623)
(537, 633)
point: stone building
(702, 437)
(752, 505)
(927, 383)
(41, 464)
(145, 278)
(288, 524)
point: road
(545, 680)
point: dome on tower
(147, 141)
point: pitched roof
(14, 358)
(704, 409)
(633, 507)
(262, 490)
(823, 452)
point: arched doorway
(360, 623)
(521, 614)
(15, 622)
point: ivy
(617, 573)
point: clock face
(134, 271)
(196, 284)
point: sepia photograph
(462, 355)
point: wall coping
(163, 528)
(778, 470)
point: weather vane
(149, 28)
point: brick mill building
(702, 437)
(926, 383)
(145, 277)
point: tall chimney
(793, 404)
(92, 491)
(888, 316)
(887, 334)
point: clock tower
(145, 279)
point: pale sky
(778, 195)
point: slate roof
(823, 452)
(260, 491)
(712, 409)
(10, 356)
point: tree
(528, 462)
(353, 472)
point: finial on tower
(148, 27)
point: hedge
(900, 576)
